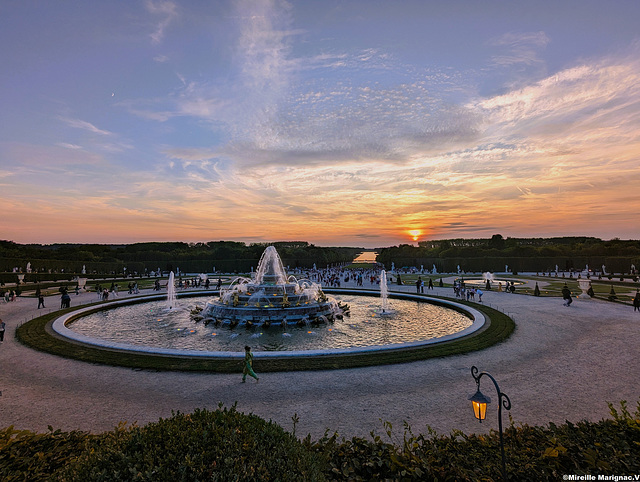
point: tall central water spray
(272, 297)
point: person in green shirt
(248, 365)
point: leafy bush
(533, 453)
(204, 445)
(228, 445)
(25, 455)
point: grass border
(39, 335)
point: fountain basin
(481, 283)
(476, 321)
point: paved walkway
(560, 364)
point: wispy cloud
(167, 11)
(191, 154)
(600, 94)
(275, 113)
(519, 48)
(84, 125)
(106, 141)
(68, 146)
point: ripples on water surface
(151, 324)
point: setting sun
(415, 234)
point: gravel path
(560, 364)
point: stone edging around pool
(59, 326)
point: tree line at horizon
(521, 254)
(141, 258)
(472, 254)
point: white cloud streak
(520, 48)
(84, 125)
(167, 11)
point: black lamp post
(480, 402)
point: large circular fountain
(279, 317)
(272, 297)
(150, 326)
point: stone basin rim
(60, 328)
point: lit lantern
(479, 402)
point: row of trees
(520, 254)
(225, 256)
(482, 254)
(528, 247)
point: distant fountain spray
(384, 292)
(384, 309)
(171, 292)
(488, 276)
(488, 279)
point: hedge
(227, 445)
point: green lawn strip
(601, 289)
(552, 287)
(38, 334)
(52, 288)
(549, 287)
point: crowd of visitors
(328, 277)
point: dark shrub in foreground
(29, 456)
(608, 447)
(205, 445)
(221, 445)
(227, 445)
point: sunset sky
(345, 123)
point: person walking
(566, 295)
(248, 365)
(40, 301)
(3, 326)
(65, 300)
(636, 301)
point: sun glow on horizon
(415, 234)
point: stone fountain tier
(272, 289)
(271, 297)
(275, 304)
(273, 315)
